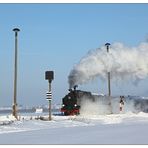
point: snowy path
(109, 129)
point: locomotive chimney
(70, 89)
(75, 87)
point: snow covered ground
(126, 128)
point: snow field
(126, 128)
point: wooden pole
(49, 101)
(14, 107)
(109, 83)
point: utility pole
(108, 74)
(14, 107)
(49, 75)
(109, 84)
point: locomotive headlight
(63, 105)
(75, 105)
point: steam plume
(121, 61)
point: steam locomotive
(73, 101)
(70, 103)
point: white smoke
(100, 106)
(123, 62)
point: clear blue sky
(55, 37)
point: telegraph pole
(109, 84)
(109, 88)
(49, 75)
(14, 107)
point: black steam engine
(71, 102)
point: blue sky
(55, 37)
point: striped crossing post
(49, 98)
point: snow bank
(4, 120)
